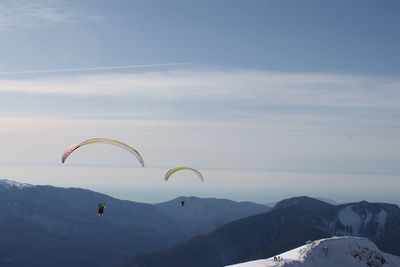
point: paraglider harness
(102, 206)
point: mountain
(303, 202)
(329, 201)
(290, 224)
(343, 251)
(379, 222)
(45, 225)
(202, 215)
(48, 226)
(233, 242)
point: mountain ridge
(283, 228)
(64, 229)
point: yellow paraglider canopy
(172, 171)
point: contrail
(93, 68)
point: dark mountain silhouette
(202, 215)
(290, 224)
(50, 226)
(326, 200)
(303, 202)
(60, 226)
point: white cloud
(257, 87)
(257, 120)
(26, 14)
(304, 103)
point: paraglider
(68, 152)
(172, 171)
(102, 206)
(105, 141)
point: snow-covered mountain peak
(342, 251)
(13, 184)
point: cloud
(299, 103)
(41, 14)
(216, 118)
(260, 88)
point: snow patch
(8, 184)
(348, 217)
(342, 251)
(358, 222)
(381, 218)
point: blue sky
(338, 36)
(269, 99)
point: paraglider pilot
(101, 208)
(182, 203)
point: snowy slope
(342, 251)
(358, 218)
(13, 184)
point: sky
(268, 99)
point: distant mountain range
(290, 224)
(51, 226)
(202, 215)
(342, 251)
